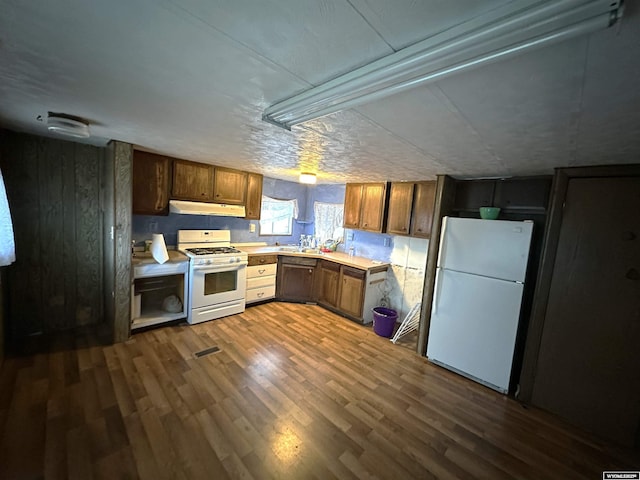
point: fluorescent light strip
(503, 32)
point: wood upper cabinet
(254, 196)
(523, 194)
(400, 204)
(151, 177)
(352, 205)
(365, 206)
(424, 199)
(328, 282)
(411, 208)
(351, 293)
(374, 201)
(514, 195)
(192, 181)
(229, 186)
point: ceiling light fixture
(308, 178)
(66, 125)
(504, 31)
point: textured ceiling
(190, 78)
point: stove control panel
(217, 261)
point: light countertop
(145, 258)
(339, 257)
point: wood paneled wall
(3, 302)
(118, 184)
(54, 191)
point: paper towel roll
(159, 248)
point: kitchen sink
(289, 249)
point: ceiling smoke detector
(67, 125)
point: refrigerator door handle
(443, 233)
(436, 292)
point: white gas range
(217, 274)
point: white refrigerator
(477, 298)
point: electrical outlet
(252, 228)
(387, 241)
(350, 236)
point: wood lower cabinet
(229, 186)
(254, 196)
(261, 278)
(328, 282)
(296, 277)
(192, 181)
(151, 180)
(365, 206)
(351, 294)
(349, 291)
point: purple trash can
(384, 320)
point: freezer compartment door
(493, 248)
(473, 326)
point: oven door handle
(227, 267)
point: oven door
(216, 284)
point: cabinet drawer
(307, 262)
(328, 265)
(353, 272)
(261, 281)
(262, 270)
(257, 294)
(262, 259)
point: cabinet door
(373, 207)
(351, 291)
(254, 196)
(525, 195)
(423, 204)
(352, 205)
(192, 181)
(473, 194)
(295, 282)
(400, 201)
(230, 186)
(151, 174)
(328, 282)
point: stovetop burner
(212, 250)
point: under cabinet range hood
(201, 208)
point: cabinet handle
(261, 271)
(419, 229)
(261, 294)
(262, 260)
(310, 271)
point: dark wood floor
(294, 392)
